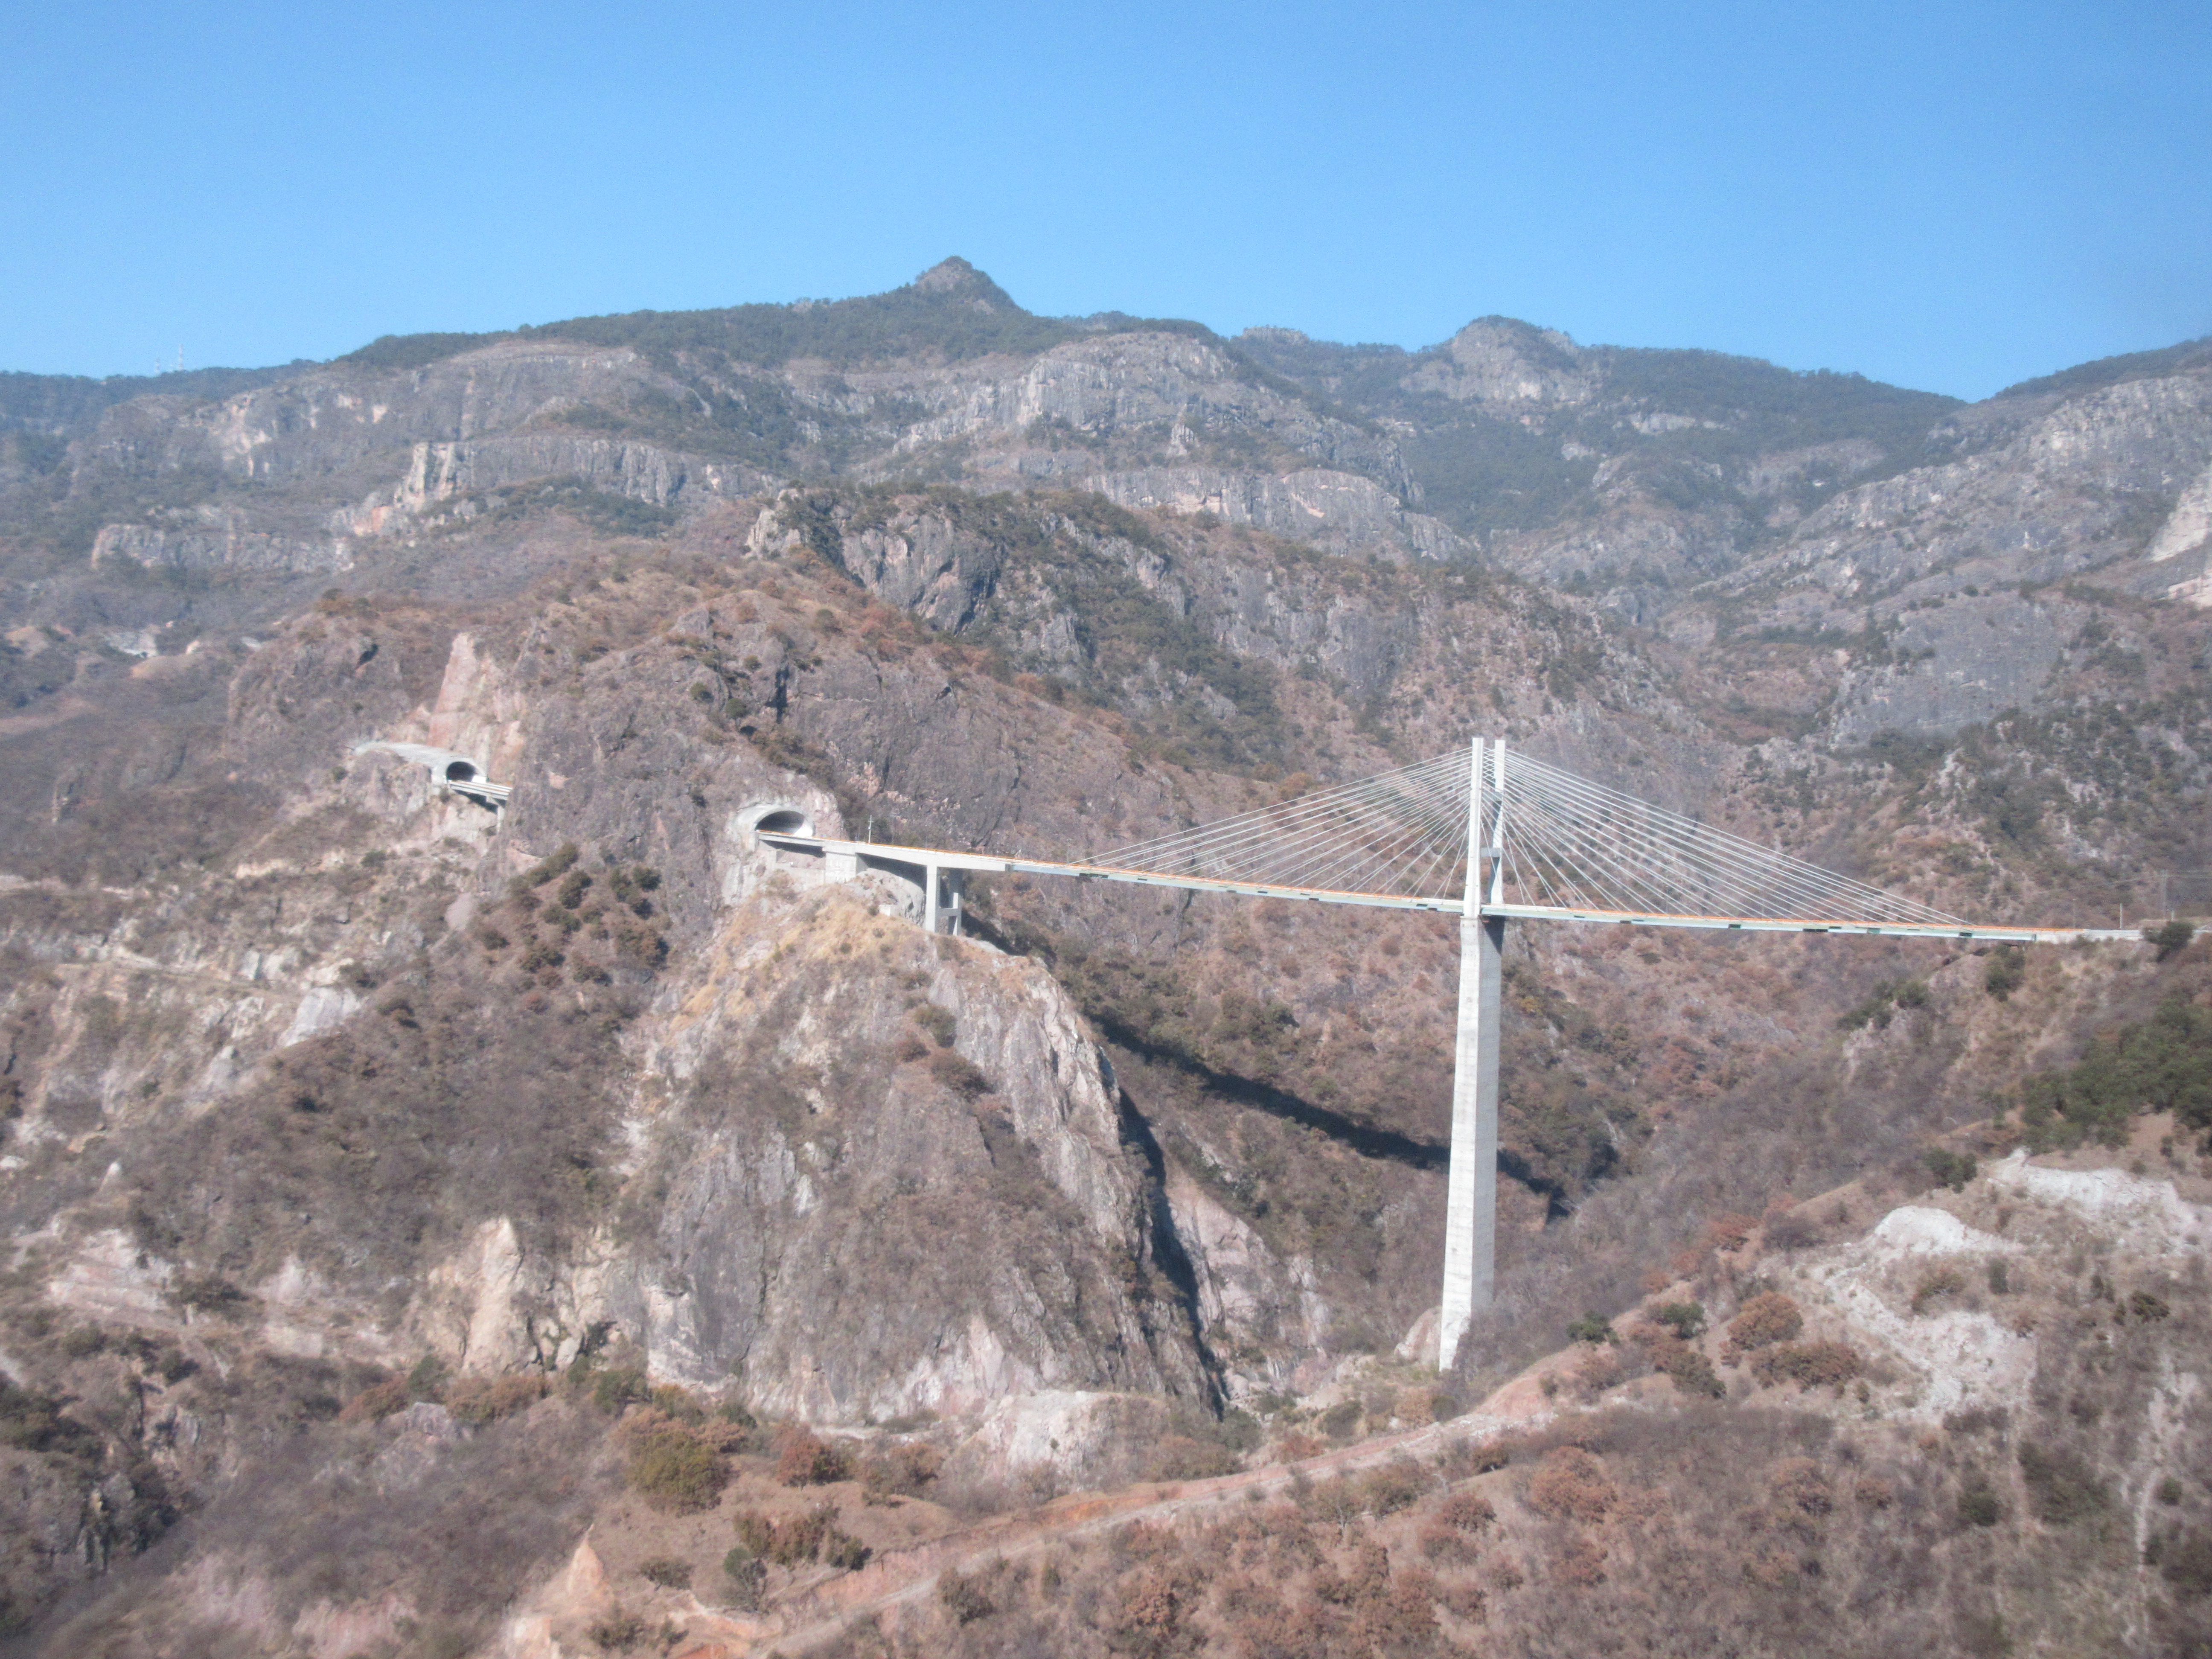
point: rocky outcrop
(1959, 664)
(882, 1242)
(1497, 360)
(440, 472)
(1168, 389)
(2068, 492)
(1340, 511)
(224, 543)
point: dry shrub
(1465, 1602)
(1979, 1504)
(673, 1400)
(803, 1458)
(746, 1575)
(1874, 1492)
(1685, 1366)
(1571, 1484)
(1581, 1563)
(2187, 1565)
(1180, 1457)
(488, 1399)
(1400, 1620)
(725, 1435)
(1731, 1232)
(1340, 1421)
(1764, 1321)
(375, 1404)
(1463, 1459)
(1936, 1284)
(671, 1466)
(1337, 1502)
(1397, 1485)
(1454, 1525)
(1427, 1404)
(957, 1074)
(1297, 1445)
(1149, 1618)
(963, 1597)
(812, 1535)
(669, 1572)
(1251, 1611)
(1793, 1230)
(1443, 1544)
(1798, 1484)
(619, 1630)
(2061, 1486)
(1466, 1512)
(612, 1386)
(1366, 1577)
(1600, 1368)
(1771, 1567)
(899, 1471)
(1808, 1364)
(1141, 1540)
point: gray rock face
(1341, 511)
(1665, 501)
(876, 1250)
(644, 472)
(1969, 661)
(334, 420)
(225, 543)
(2089, 481)
(1139, 383)
(1499, 360)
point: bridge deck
(998, 864)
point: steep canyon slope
(327, 1085)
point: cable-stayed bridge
(1490, 840)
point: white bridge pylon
(1470, 834)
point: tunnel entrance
(783, 820)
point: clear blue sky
(1949, 196)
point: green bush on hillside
(2162, 1064)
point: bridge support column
(1471, 1190)
(932, 878)
(1471, 1200)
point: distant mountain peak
(956, 276)
(1504, 360)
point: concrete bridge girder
(926, 892)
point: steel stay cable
(1406, 830)
(1706, 883)
(1588, 861)
(1310, 821)
(1261, 848)
(1746, 884)
(1722, 847)
(1320, 799)
(1413, 845)
(1692, 858)
(1733, 879)
(1586, 865)
(1306, 858)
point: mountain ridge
(592, 1181)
